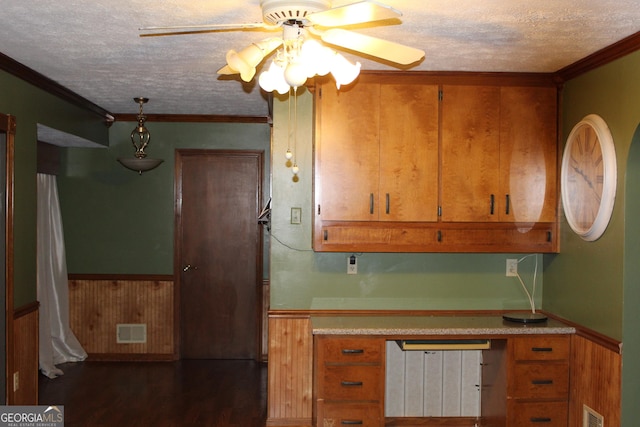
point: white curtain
(57, 344)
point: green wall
(597, 284)
(119, 222)
(302, 279)
(31, 106)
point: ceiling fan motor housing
(275, 12)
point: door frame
(8, 127)
(177, 252)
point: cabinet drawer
(540, 380)
(350, 350)
(538, 414)
(351, 383)
(541, 348)
(350, 414)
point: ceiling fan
(303, 21)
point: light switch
(296, 215)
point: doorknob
(189, 267)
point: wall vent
(591, 418)
(131, 333)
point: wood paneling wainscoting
(97, 303)
(596, 381)
(290, 372)
(24, 358)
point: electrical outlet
(16, 381)
(352, 265)
(512, 267)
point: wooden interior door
(218, 253)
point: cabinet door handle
(508, 204)
(493, 203)
(371, 203)
(439, 235)
(325, 235)
(542, 382)
(352, 351)
(387, 203)
(351, 383)
(542, 349)
(540, 420)
(351, 422)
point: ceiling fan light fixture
(245, 61)
(273, 79)
(318, 56)
(343, 71)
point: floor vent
(591, 418)
(132, 333)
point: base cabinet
(525, 382)
(349, 382)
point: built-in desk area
(525, 367)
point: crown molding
(602, 57)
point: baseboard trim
(431, 421)
(288, 422)
(133, 357)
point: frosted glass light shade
(139, 165)
(343, 71)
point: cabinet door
(409, 153)
(528, 157)
(470, 153)
(347, 152)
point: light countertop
(468, 325)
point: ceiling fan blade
(194, 29)
(354, 13)
(373, 46)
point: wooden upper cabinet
(470, 153)
(377, 153)
(408, 153)
(528, 154)
(499, 159)
(436, 164)
(347, 152)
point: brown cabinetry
(377, 152)
(499, 154)
(430, 167)
(538, 381)
(349, 381)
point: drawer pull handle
(542, 349)
(540, 420)
(351, 383)
(542, 382)
(351, 422)
(352, 351)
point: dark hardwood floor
(216, 393)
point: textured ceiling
(94, 48)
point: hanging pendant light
(140, 138)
